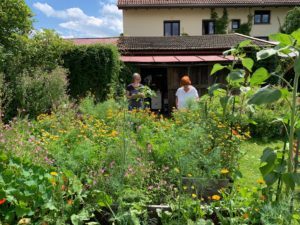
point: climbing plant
(221, 23)
(245, 28)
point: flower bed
(102, 151)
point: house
(166, 39)
(166, 59)
(194, 17)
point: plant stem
(279, 185)
(292, 125)
(292, 134)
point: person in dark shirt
(133, 93)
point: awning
(176, 59)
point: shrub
(93, 68)
(39, 91)
(292, 21)
(5, 95)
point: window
(208, 27)
(262, 17)
(171, 28)
(235, 24)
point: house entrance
(156, 79)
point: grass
(249, 164)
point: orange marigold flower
(263, 197)
(2, 201)
(246, 216)
(70, 202)
(234, 132)
(216, 197)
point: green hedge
(93, 69)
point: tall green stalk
(293, 123)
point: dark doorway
(208, 27)
(156, 79)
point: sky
(78, 18)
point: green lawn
(249, 164)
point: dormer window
(171, 28)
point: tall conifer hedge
(94, 69)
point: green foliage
(265, 95)
(277, 167)
(94, 69)
(5, 96)
(292, 21)
(36, 194)
(39, 54)
(39, 91)
(221, 23)
(15, 19)
(245, 28)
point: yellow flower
(184, 187)
(193, 187)
(224, 171)
(54, 173)
(177, 170)
(189, 175)
(194, 196)
(260, 181)
(24, 221)
(114, 133)
(216, 197)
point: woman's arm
(176, 102)
(128, 95)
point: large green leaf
(268, 159)
(78, 219)
(283, 39)
(297, 65)
(265, 95)
(266, 53)
(259, 76)
(213, 88)
(235, 76)
(296, 35)
(245, 43)
(269, 155)
(248, 63)
(217, 67)
(271, 178)
(289, 181)
(104, 199)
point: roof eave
(152, 6)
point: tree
(15, 19)
(292, 21)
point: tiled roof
(185, 43)
(89, 41)
(203, 3)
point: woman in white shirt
(185, 93)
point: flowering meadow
(101, 164)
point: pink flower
(150, 187)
